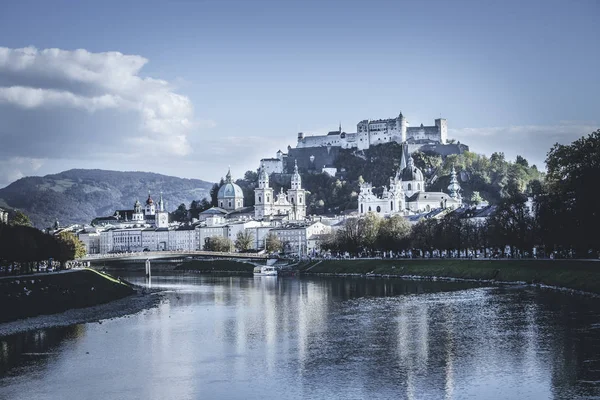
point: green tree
(569, 210)
(476, 198)
(272, 243)
(244, 241)
(180, 214)
(21, 219)
(71, 246)
(218, 243)
(394, 234)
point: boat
(265, 270)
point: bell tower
(263, 195)
(297, 196)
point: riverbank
(32, 295)
(581, 275)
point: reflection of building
(3, 216)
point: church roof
(412, 173)
(230, 190)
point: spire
(403, 157)
(296, 178)
(454, 186)
(263, 177)
(161, 204)
(340, 127)
(228, 176)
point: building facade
(291, 203)
(373, 132)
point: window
(361, 209)
(409, 186)
(391, 206)
(369, 208)
(418, 186)
(259, 199)
(378, 209)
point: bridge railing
(153, 254)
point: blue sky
(511, 76)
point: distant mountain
(80, 195)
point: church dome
(149, 201)
(230, 190)
(411, 173)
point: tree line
(26, 246)
(562, 217)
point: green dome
(230, 190)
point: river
(318, 338)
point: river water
(318, 338)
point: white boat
(265, 270)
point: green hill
(79, 195)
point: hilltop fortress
(318, 153)
(370, 133)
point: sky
(190, 88)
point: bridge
(154, 255)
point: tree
(272, 243)
(214, 192)
(476, 198)
(181, 214)
(394, 234)
(21, 219)
(244, 241)
(218, 243)
(70, 246)
(567, 204)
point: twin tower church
(267, 203)
(405, 195)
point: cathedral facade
(406, 193)
(291, 203)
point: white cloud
(14, 168)
(75, 104)
(531, 141)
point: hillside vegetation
(80, 195)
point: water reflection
(266, 337)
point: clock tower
(161, 216)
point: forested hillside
(493, 178)
(79, 195)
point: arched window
(361, 209)
(300, 199)
(292, 200)
(229, 203)
(391, 206)
(378, 209)
(369, 208)
(267, 199)
(259, 199)
(221, 204)
(409, 186)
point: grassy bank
(216, 266)
(572, 274)
(28, 296)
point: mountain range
(77, 196)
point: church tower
(162, 216)
(297, 196)
(138, 214)
(263, 195)
(454, 186)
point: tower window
(361, 209)
(409, 186)
(259, 199)
(378, 209)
